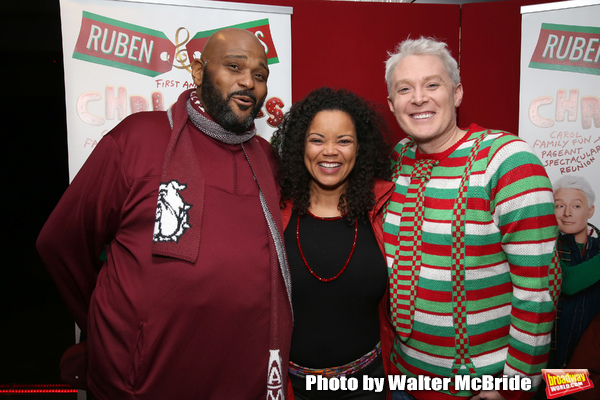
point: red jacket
(382, 190)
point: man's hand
(488, 395)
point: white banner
(559, 111)
(125, 56)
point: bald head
(231, 76)
(230, 39)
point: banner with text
(126, 56)
(559, 110)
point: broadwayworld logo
(568, 48)
(561, 382)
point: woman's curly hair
(372, 160)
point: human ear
(198, 71)
(390, 104)
(458, 95)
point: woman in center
(334, 167)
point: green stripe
(244, 25)
(565, 68)
(571, 28)
(124, 25)
(487, 346)
(484, 304)
(525, 235)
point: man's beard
(219, 109)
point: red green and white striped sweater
(473, 274)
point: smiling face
(424, 102)
(330, 151)
(232, 78)
(572, 212)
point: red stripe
(470, 250)
(435, 295)
(531, 272)
(532, 317)
(542, 221)
(524, 171)
(488, 292)
(475, 203)
(528, 358)
(487, 249)
(483, 338)
(439, 204)
(440, 341)
(437, 249)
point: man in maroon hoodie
(192, 301)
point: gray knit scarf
(276, 381)
(210, 127)
(217, 132)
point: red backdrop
(344, 45)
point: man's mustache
(246, 93)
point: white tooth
(422, 116)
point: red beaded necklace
(313, 273)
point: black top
(335, 322)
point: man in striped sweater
(470, 235)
